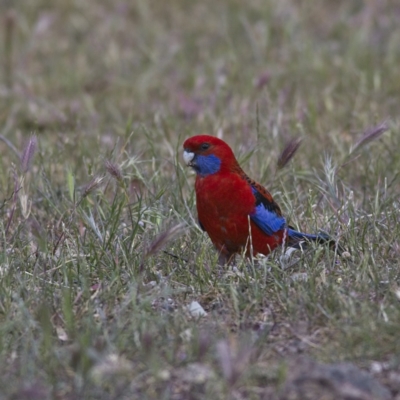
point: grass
(96, 101)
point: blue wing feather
(268, 221)
(266, 216)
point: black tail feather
(298, 239)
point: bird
(239, 215)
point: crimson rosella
(239, 214)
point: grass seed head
(94, 184)
(371, 134)
(28, 153)
(288, 152)
(114, 170)
(161, 240)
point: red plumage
(226, 200)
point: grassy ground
(90, 305)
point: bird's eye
(204, 146)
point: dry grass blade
(288, 152)
(28, 153)
(10, 145)
(17, 188)
(161, 240)
(370, 134)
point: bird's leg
(222, 259)
(225, 258)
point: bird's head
(208, 155)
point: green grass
(90, 305)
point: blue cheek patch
(207, 165)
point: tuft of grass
(101, 256)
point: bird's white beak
(188, 157)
